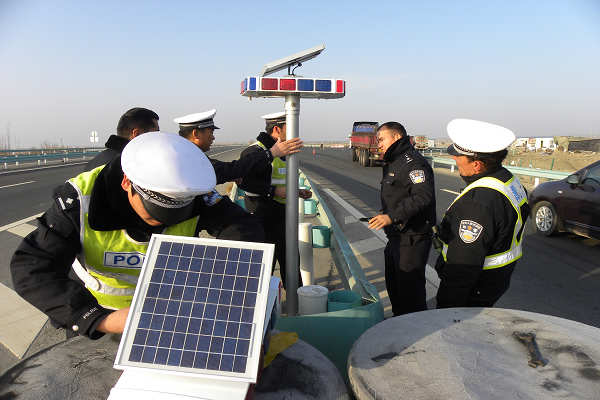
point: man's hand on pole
(304, 194)
(114, 322)
(291, 146)
(379, 221)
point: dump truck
(363, 143)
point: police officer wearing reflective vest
(100, 224)
(199, 129)
(481, 233)
(408, 203)
(266, 190)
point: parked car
(571, 204)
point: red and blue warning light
(260, 86)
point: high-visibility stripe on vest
(278, 173)
(110, 261)
(514, 192)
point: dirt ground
(557, 161)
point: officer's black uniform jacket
(230, 170)
(41, 265)
(464, 282)
(114, 147)
(407, 190)
(258, 180)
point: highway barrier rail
(333, 333)
(17, 160)
(533, 172)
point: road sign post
(94, 137)
(292, 88)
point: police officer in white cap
(199, 129)
(481, 233)
(100, 224)
(265, 187)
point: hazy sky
(70, 67)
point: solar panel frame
(249, 331)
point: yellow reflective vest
(278, 173)
(514, 192)
(110, 261)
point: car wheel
(545, 218)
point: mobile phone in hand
(365, 219)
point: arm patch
(469, 231)
(417, 176)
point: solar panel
(199, 307)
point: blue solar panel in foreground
(199, 307)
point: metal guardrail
(538, 173)
(53, 156)
(52, 150)
(45, 158)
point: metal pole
(292, 120)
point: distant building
(521, 142)
(543, 143)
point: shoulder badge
(417, 176)
(469, 230)
(408, 158)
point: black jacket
(407, 190)
(41, 265)
(230, 170)
(258, 180)
(464, 282)
(114, 146)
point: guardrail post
(452, 168)
(5, 166)
(45, 161)
(300, 209)
(39, 162)
(16, 163)
(536, 181)
(305, 248)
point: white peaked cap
(168, 164)
(199, 120)
(470, 136)
(277, 115)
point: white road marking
(450, 191)
(226, 151)
(367, 245)
(355, 213)
(16, 184)
(350, 219)
(20, 322)
(22, 230)
(19, 222)
(430, 273)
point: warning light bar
(260, 86)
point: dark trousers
(272, 217)
(405, 260)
